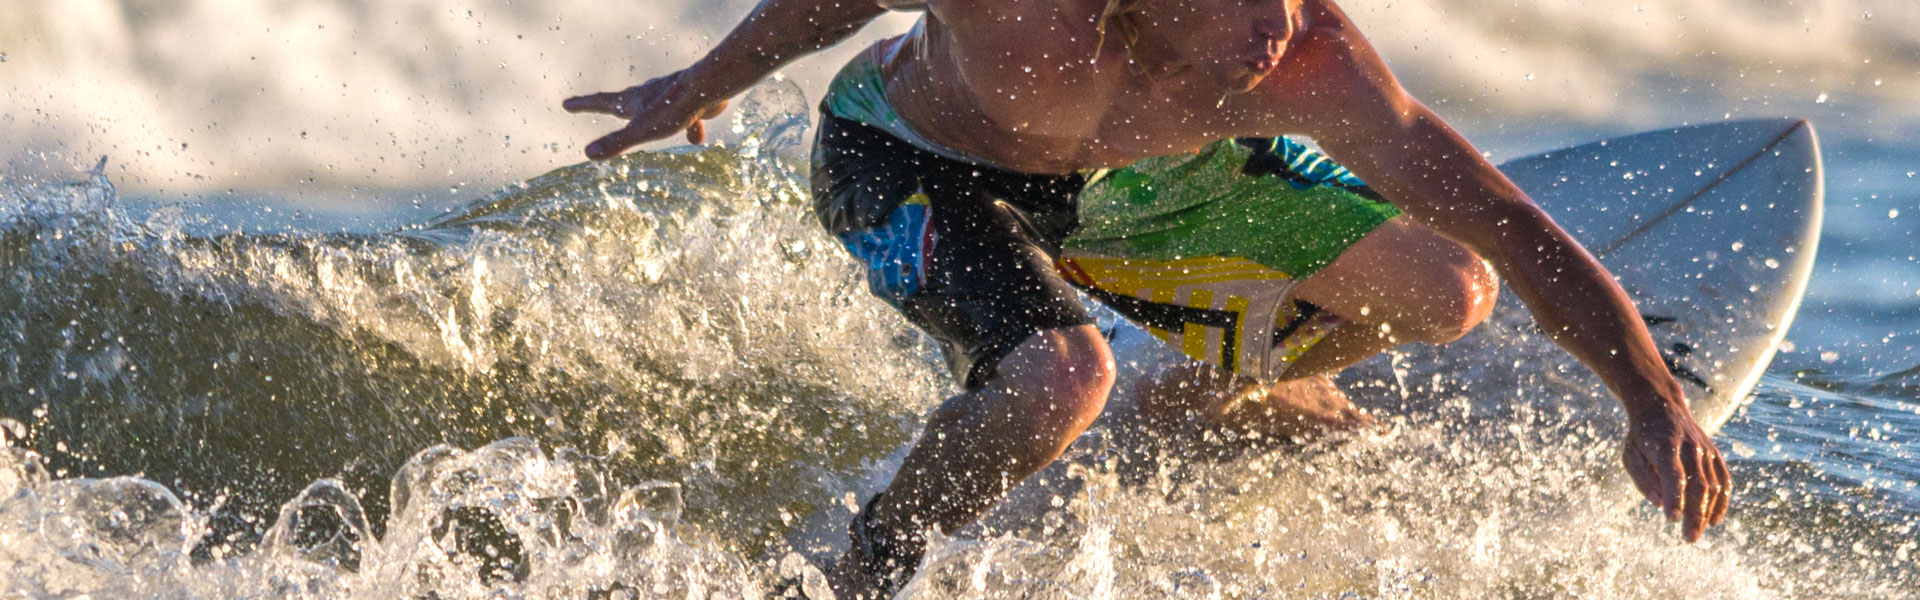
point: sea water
(657, 378)
(651, 377)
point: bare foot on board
(1197, 401)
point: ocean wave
(674, 312)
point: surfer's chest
(1098, 106)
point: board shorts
(1200, 249)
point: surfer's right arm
(1408, 154)
(777, 32)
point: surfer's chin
(1241, 83)
(1243, 79)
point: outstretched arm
(1410, 156)
(777, 32)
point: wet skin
(1040, 86)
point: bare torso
(1044, 91)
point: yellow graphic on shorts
(1221, 310)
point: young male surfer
(1005, 151)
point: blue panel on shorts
(895, 252)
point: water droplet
(3, 57)
(1893, 213)
(1529, 77)
(1822, 99)
(1773, 264)
(1829, 356)
(1738, 245)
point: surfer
(1004, 151)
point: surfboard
(1712, 229)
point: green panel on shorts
(1174, 207)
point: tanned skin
(1040, 86)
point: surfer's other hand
(1676, 466)
(654, 110)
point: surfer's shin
(978, 445)
(975, 447)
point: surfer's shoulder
(1333, 67)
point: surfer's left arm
(777, 33)
(1408, 154)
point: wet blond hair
(1120, 15)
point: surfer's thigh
(963, 251)
(1417, 283)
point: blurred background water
(291, 280)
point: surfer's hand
(655, 109)
(1678, 469)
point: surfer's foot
(875, 565)
(1298, 410)
(1199, 402)
(851, 582)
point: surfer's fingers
(697, 132)
(619, 141)
(1716, 507)
(1726, 490)
(1712, 472)
(1645, 476)
(1701, 493)
(1673, 481)
(608, 103)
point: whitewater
(656, 377)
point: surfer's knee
(1420, 285)
(1413, 282)
(1064, 373)
(1460, 291)
(1468, 290)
